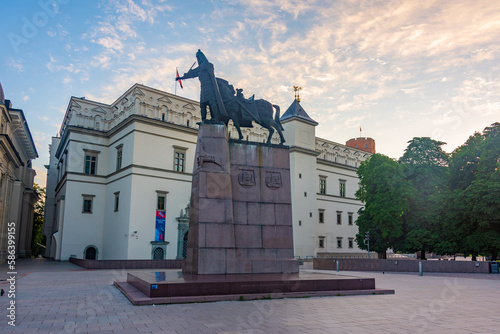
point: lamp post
(367, 242)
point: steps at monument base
(172, 283)
(171, 286)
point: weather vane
(296, 89)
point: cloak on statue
(209, 92)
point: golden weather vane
(296, 89)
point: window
(179, 159)
(300, 175)
(321, 216)
(321, 243)
(88, 203)
(305, 193)
(300, 222)
(339, 217)
(351, 242)
(350, 218)
(163, 116)
(160, 203)
(188, 125)
(119, 155)
(117, 200)
(339, 242)
(90, 166)
(158, 253)
(342, 188)
(161, 200)
(322, 185)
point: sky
(397, 69)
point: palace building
(119, 179)
(17, 197)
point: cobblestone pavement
(63, 298)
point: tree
(37, 235)
(472, 213)
(384, 194)
(482, 196)
(456, 230)
(426, 169)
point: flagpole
(175, 90)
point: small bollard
(420, 269)
(338, 266)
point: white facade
(17, 197)
(134, 143)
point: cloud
(354, 121)
(15, 64)
(476, 96)
(54, 66)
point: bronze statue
(243, 111)
(225, 104)
(209, 93)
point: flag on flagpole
(180, 82)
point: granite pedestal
(241, 216)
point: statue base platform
(174, 287)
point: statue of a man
(209, 92)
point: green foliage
(426, 170)
(37, 235)
(476, 222)
(432, 201)
(384, 193)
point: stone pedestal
(241, 217)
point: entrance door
(90, 253)
(158, 254)
(185, 245)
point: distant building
(119, 179)
(17, 197)
(363, 144)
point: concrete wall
(403, 265)
(127, 264)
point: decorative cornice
(336, 164)
(303, 150)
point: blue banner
(160, 226)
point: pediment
(164, 99)
(189, 106)
(74, 105)
(137, 92)
(98, 110)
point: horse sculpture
(243, 111)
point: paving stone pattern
(62, 298)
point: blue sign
(160, 226)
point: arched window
(158, 253)
(90, 253)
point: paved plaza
(59, 297)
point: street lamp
(367, 242)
